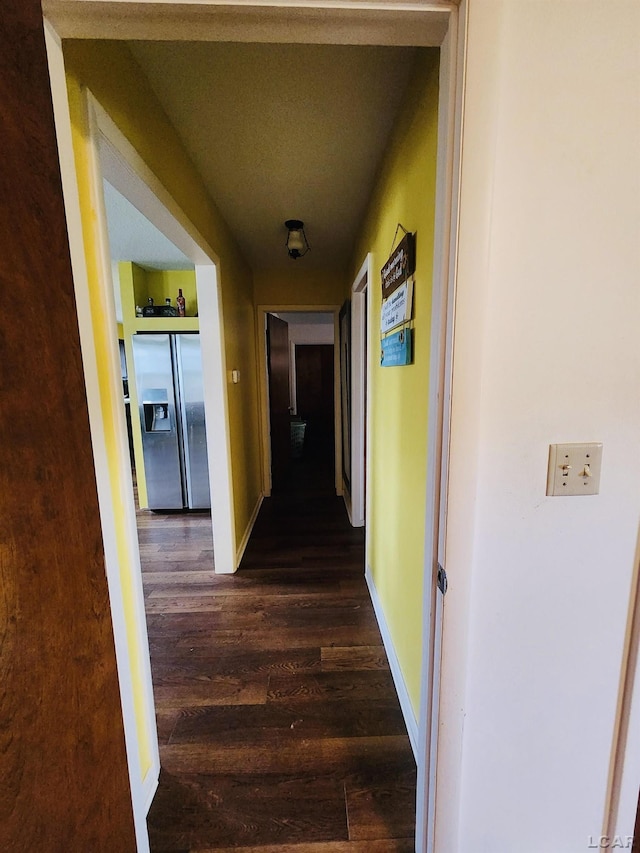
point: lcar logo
(610, 842)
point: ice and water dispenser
(155, 406)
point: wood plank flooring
(280, 730)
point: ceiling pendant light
(297, 244)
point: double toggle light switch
(574, 469)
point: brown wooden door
(279, 400)
(62, 755)
(315, 399)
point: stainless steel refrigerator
(168, 375)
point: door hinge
(442, 579)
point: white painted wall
(547, 349)
(311, 333)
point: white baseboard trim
(398, 680)
(346, 497)
(357, 522)
(245, 539)
(150, 786)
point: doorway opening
(301, 411)
(138, 216)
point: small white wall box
(574, 469)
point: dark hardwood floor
(280, 730)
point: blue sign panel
(397, 349)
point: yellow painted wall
(163, 284)
(133, 286)
(404, 193)
(110, 72)
(298, 286)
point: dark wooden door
(62, 755)
(279, 399)
(315, 398)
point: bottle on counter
(180, 303)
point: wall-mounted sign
(401, 264)
(397, 349)
(397, 308)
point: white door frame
(360, 312)
(263, 385)
(438, 23)
(452, 54)
(121, 164)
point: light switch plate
(574, 469)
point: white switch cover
(574, 469)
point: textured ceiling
(283, 131)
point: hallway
(279, 725)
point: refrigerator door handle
(194, 438)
